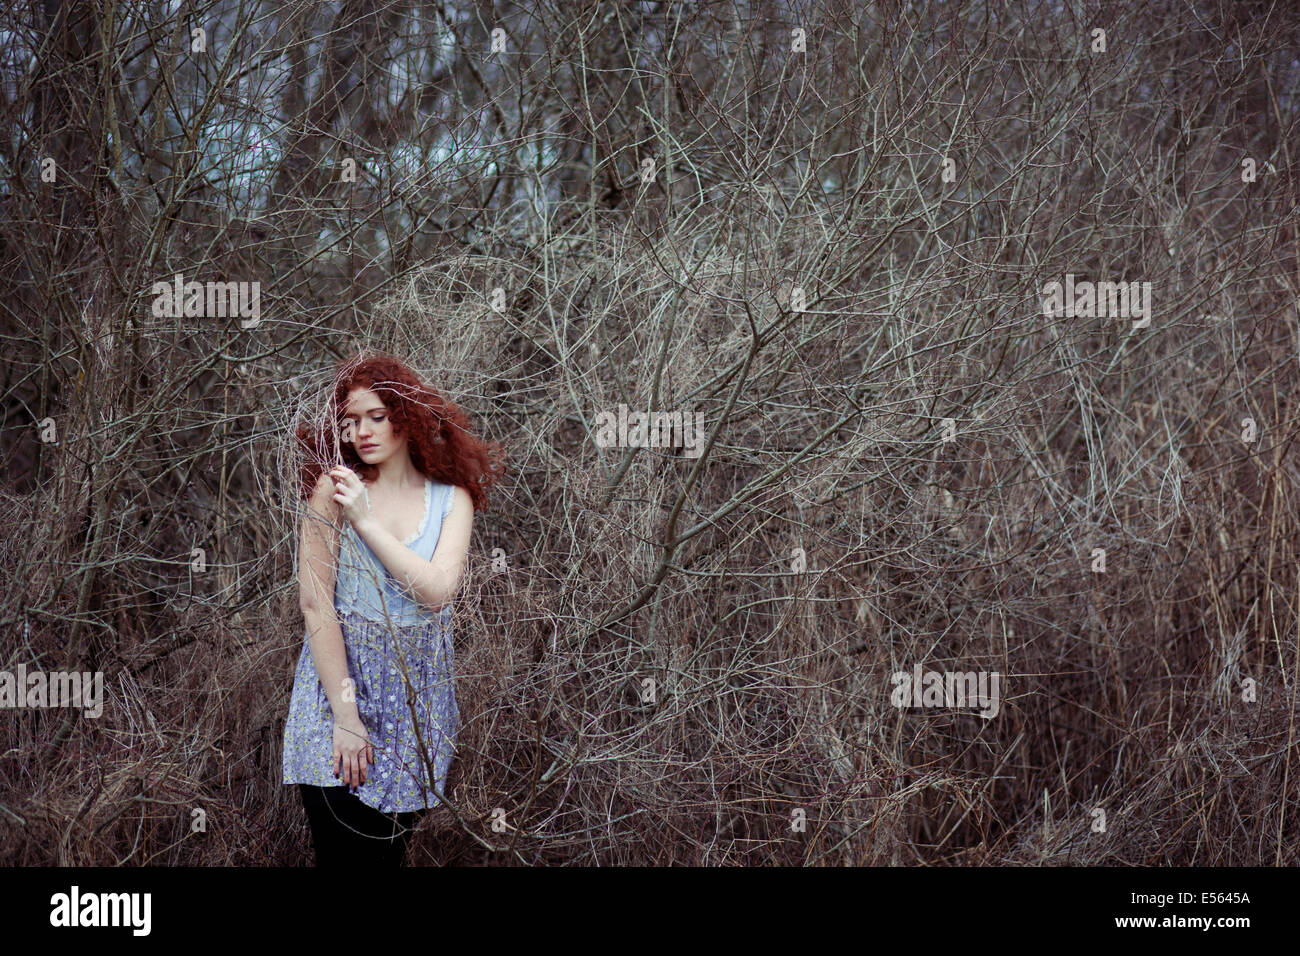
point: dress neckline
(428, 507)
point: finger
(338, 759)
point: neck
(397, 472)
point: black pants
(346, 832)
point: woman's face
(368, 428)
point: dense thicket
(827, 229)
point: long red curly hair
(439, 439)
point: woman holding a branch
(393, 477)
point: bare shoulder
(322, 496)
(461, 502)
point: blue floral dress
(399, 657)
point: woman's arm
(318, 556)
(432, 583)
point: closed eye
(374, 418)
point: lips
(367, 447)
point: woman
(373, 706)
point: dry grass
(1122, 690)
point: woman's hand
(350, 494)
(352, 750)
